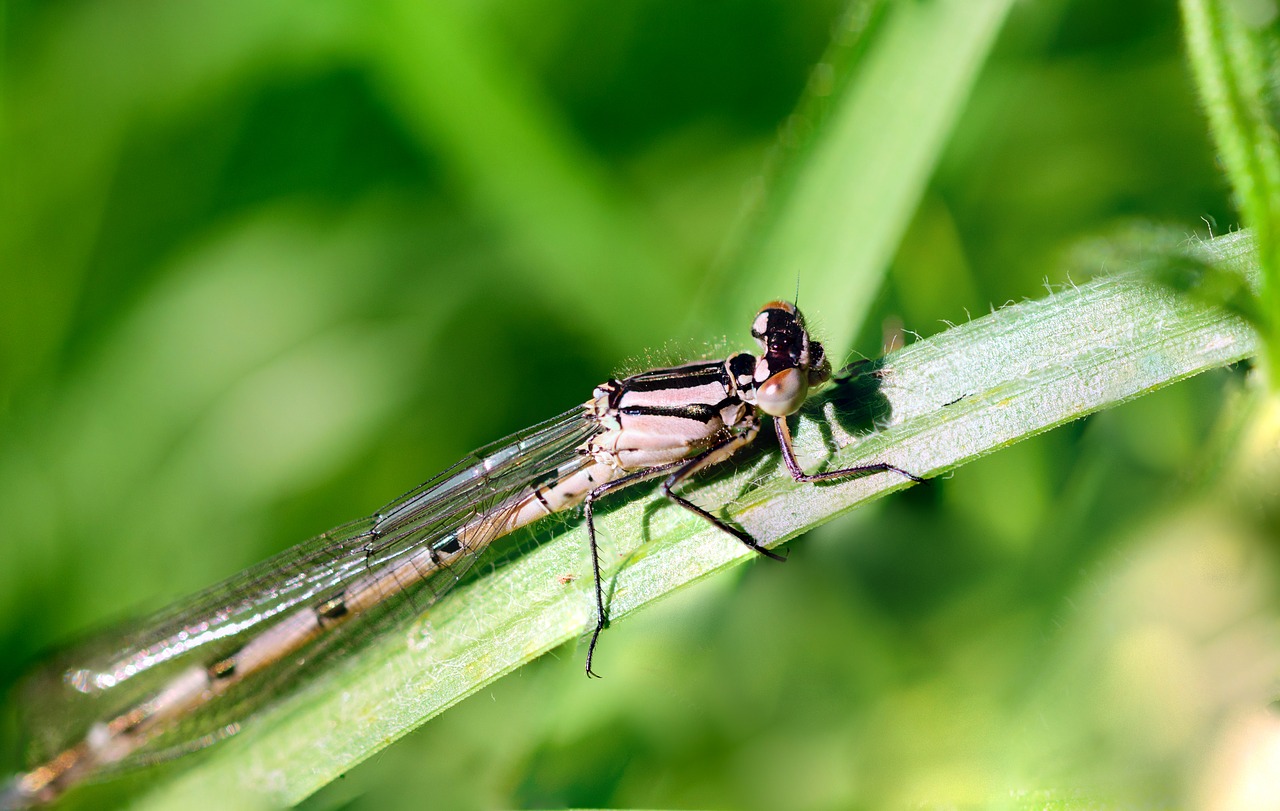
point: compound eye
(782, 393)
(819, 366)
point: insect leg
(789, 456)
(716, 453)
(588, 506)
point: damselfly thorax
(163, 687)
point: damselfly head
(790, 363)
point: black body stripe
(699, 411)
(741, 365)
(449, 545)
(685, 377)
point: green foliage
(1233, 48)
(263, 266)
(947, 400)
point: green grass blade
(1233, 60)
(961, 394)
(464, 98)
(843, 208)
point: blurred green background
(265, 266)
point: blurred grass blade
(966, 392)
(1232, 47)
(466, 99)
(857, 178)
(74, 94)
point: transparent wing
(116, 670)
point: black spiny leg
(716, 453)
(789, 456)
(588, 506)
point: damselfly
(191, 673)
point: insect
(190, 674)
